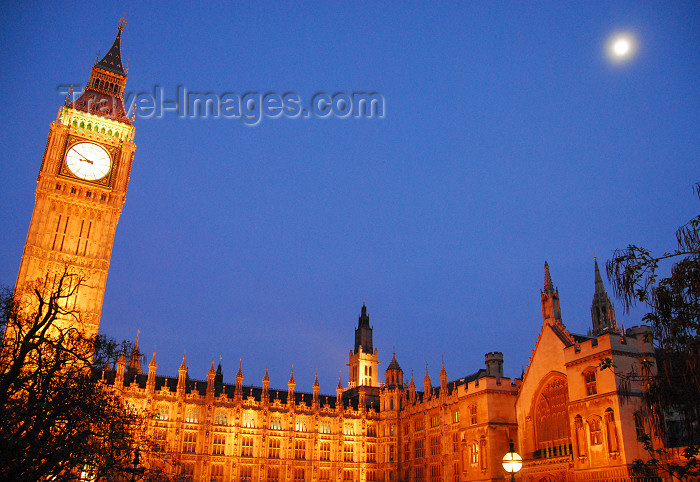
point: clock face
(88, 161)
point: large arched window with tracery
(552, 420)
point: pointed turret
(104, 93)
(113, 60)
(316, 389)
(339, 395)
(134, 367)
(218, 380)
(363, 333)
(182, 377)
(551, 311)
(238, 394)
(443, 379)
(393, 375)
(602, 309)
(363, 361)
(412, 389)
(427, 386)
(291, 385)
(211, 377)
(548, 285)
(151, 382)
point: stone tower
(364, 359)
(80, 191)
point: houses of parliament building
(565, 416)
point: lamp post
(136, 470)
(512, 462)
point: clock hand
(84, 158)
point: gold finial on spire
(97, 57)
(122, 22)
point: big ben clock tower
(81, 188)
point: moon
(621, 47)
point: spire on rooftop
(551, 311)
(363, 333)
(112, 61)
(548, 285)
(598, 279)
(602, 309)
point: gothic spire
(239, 375)
(363, 333)
(548, 285)
(602, 309)
(104, 93)
(551, 311)
(598, 279)
(135, 357)
(427, 385)
(112, 62)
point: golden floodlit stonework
(566, 417)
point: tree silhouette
(58, 419)
(671, 388)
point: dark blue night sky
(508, 139)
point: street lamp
(136, 470)
(512, 462)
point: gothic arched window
(552, 419)
(474, 452)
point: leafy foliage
(672, 391)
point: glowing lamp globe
(512, 462)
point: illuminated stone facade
(573, 423)
(566, 417)
(215, 431)
(77, 206)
